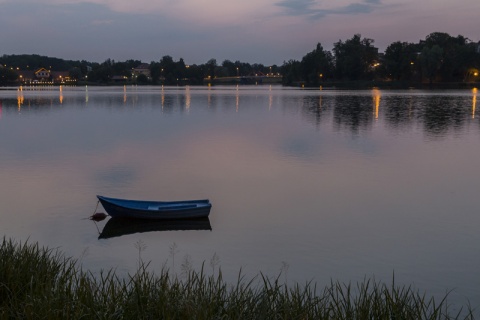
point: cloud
(315, 10)
(101, 22)
(74, 30)
(297, 7)
(261, 31)
(203, 12)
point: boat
(116, 227)
(157, 210)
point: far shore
(322, 85)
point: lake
(316, 184)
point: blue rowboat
(166, 210)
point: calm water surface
(321, 184)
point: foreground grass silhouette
(41, 283)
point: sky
(254, 31)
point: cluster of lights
(42, 82)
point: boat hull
(156, 210)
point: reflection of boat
(116, 227)
(172, 210)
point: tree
(211, 66)
(142, 79)
(354, 58)
(291, 71)
(155, 72)
(35, 61)
(180, 69)
(230, 68)
(317, 66)
(458, 55)
(431, 60)
(400, 60)
(167, 68)
(194, 74)
(7, 76)
(75, 73)
(102, 72)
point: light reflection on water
(331, 183)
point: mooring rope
(95, 211)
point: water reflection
(116, 227)
(188, 97)
(163, 97)
(333, 182)
(474, 101)
(436, 113)
(237, 98)
(314, 108)
(352, 113)
(60, 98)
(20, 98)
(376, 101)
(440, 114)
(209, 95)
(270, 98)
(398, 112)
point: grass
(41, 283)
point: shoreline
(37, 282)
(353, 85)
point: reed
(41, 283)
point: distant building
(144, 69)
(42, 74)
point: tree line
(165, 71)
(440, 57)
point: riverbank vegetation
(439, 58)
(38, 283)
